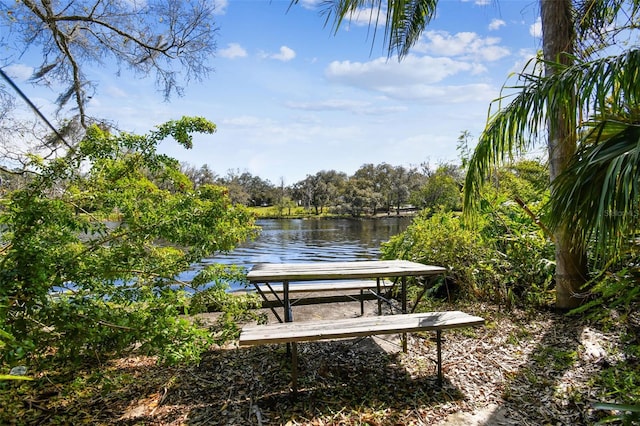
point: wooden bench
(293, 332)
(343, 287)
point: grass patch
(559, 359)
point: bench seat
(327, 286)
(293, 332)
(355, 327)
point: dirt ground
(489, 409)
(491, 414)
(520, 368)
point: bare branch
(171, 39)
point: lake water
(310, 240)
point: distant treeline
(371, 190)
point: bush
(75, 284)
(503, 258)
(442, 239)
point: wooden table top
(278, 272)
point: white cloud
(492, 53)
(360, 17)
(496, 24)
(462, 94)
(353, 106)
(366, 17)
(525, 60)
(115, 92)
(415, 78)
(535, 30)
(329, 104)
(19, 71)
(233, 50)
(462, 44)
(247, 121)
(285, 54)
(477, 69)
(311, 4)
(381, 72)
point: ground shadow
(519, 364)
(335, 377)
(534, 393)
(512, 365)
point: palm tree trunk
(558, 41)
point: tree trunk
(558, 43)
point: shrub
(442, 239)
(504, 257)
(75, 284)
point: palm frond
(404, 20)
(584, 89)
(599, 192)
(600, 23)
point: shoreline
(323, 216)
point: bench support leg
(294, 368)
(439, 349)
(404, 311)
(288, 313)
(265, 298)
(378, 295)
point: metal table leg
(439, 348)
(288, 314)
(265, 298)
(404, 311)
(378, 294)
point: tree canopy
(91, 257)
(171, 40)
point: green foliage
(6, 337)
(558, 359)
(622, 383)
(230, 308)
(285, 206)
(526, 252)
(623, 413)
(504, 255)
(605, 193)
(440, 190)
(525, 179)
(278, 211)
(613, 290)
(442, 239)
(75, 284)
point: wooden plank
(328, 286)
(320, 300)
(355, 327)
(278, 272)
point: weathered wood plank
(328, 286)
(278, 272)
(355, 327)
(321, 300)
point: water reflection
(309, 240)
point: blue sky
(290, 98)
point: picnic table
(336, 277)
